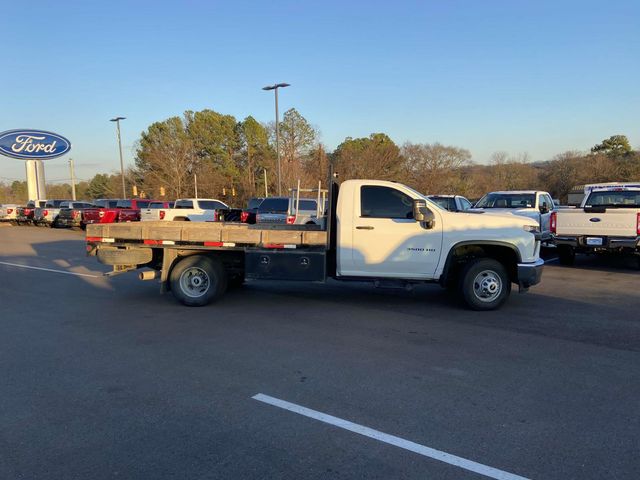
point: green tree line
(236, 159)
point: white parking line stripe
(445, 457)
(50, 270)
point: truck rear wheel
(484, 284)
(198, 280)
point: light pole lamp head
(117, 119)
(277, 85)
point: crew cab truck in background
(48, 215)
(607, 221)
(377, 231)
(192, 210)
(71, 214)
(104, 211)
(8, 213)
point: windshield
(211, 204)
(618, 199)
(310, 205)
(507, 200)
(274, 205)
(254, 203)
(448, 203)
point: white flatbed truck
(377, 231)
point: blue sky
(540, 77)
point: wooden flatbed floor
(207, 232)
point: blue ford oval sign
(33, 144)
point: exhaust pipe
(149, 275)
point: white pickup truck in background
(8, 212)
(186, 209)
(608, 220)
(533, 204)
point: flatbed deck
(208, 233)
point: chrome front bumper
(530, 274)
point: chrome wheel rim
(194, 282)
(487, 286)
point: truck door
(387, 241)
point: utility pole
(117, 120)
(195, 183)
(73, 179)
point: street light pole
(117, 120)
(275, 88)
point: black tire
(566, 255)
(198, 280)
(120, 256)
(484, 284)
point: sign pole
(73, 180)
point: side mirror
(422, 214)
(544, 208)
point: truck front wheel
(484, 284)
(198, 280)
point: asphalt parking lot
(106, 378)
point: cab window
(384, 202)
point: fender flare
(494, 243)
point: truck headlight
(531, 228)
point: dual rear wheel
(197, 280)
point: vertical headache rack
(321, 198)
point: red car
(129, 210)
(116, 210)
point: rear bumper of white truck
(586, 242)
(530, 274)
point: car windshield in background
(310, 205)
(448, 203)
(106, 203)
(507, 200)
(123, 204)
(211, 205)
(55, 203)
(254, 203)
(160, 205)
(274, 205)
(618, 199)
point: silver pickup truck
(282, 210)
(48, 215)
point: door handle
(364, 227)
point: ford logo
(594, 219)
(33, 144)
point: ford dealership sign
(33, 144)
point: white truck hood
(531, 213)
